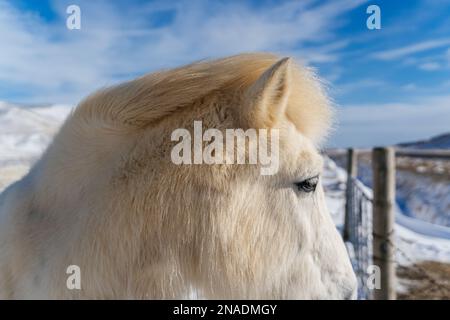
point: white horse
(106, 197)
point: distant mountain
(439, 142)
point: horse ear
(266, 99)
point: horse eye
(308, 185)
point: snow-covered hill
(418, 240)
(438, 142)
(26, 131)
(422, 184)
(24, 134)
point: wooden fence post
(383, 166)
(352, 168)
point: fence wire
(360, 233)
(421, 271)
(360, 237)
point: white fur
(106, 197)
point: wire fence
(437, 286)
(360, 234)
(360, 241)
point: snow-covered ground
(24, 134)
(422, 184)
(26, 131)
(417, 239)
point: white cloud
(409, 87)
(370, 125)
(410, 49)
(430, 66)
(346, 88)
(115, 43)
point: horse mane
(140, 102)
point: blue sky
(389, 85)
